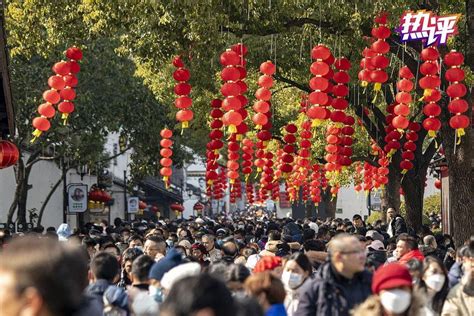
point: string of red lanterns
(166, 153)
(182, 89)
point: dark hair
(88, 242)
(302, 260)
(308, 234)
(440, 297)
(315, 244)
(191, 294)
(58, 271)
(356, 216)
(135, 237)
(237, 273)
(409, 240)
(105, 266)
(111, 245)
(274, 235)
(131, 254)
(141, 267)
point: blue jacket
(331, 294)
(276, 310)
(97, 289)
(454, 274)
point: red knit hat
(390, 276)
(267, 263)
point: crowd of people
(236, 265)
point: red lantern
(9, 154)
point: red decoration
(430, 83)
(182, 89)
(8, 154)
(166, 153)
(456, 90)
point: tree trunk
(48, 197)
(327, 206)
(19, 170)
(460, 159)
(391, 191)
(414, 188)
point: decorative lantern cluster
(8, 154)
(62, 86)
(233, 156)
(97, 198)
(249, 192)
(247, 157)
(166, 153)
(289, 149)
(332, 148)
(456, 91)
(403, 98)
(430, 83)
(241, 51)
(380, 47)
(366, 66)
(235, 191)
(345, 149)
(263, 95)
(392, 136)
(358, 177)
(182, 89)
(232, 104)
(409, 147)
(315, 184)
(219, 185)
(215, 144)
(320, 84)
(340, 90)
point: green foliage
(432, 204)
(374, 216)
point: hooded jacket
(412, 254)
(373, 307)
(331, 294)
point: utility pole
(125, 201)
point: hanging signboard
(133, 204)
(77, 197)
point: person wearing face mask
(460, 300)
(297, 270)
(434, 285)
(392, 294)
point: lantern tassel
(404, 171)
(460, 133)
(316, 122)
(364, 83)
(232, 129)
(64, 117)
(377, 86)
(239, 137)
(36, 133)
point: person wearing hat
(393, 294)
(198, 252)
(376, 255)
(172, 259)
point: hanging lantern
(9, 154)
(182, 89)
(166, 153)
(456, 91)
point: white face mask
(395, 301)
(291, 280)
(435, 282)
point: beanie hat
(267, 263)
(374, 235)
(172, 259)
(180, 272)
(390, 276)
(200, 247)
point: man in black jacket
(396, 223)
(340, 284)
